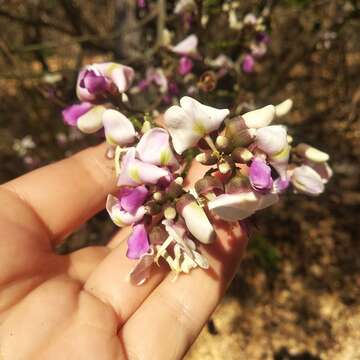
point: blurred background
(297, 294)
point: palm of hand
(81, 306)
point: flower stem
(212, 146)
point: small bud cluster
(247, 163)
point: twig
(161, 21)
(83, 38)
(37, 22)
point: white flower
(191, 121)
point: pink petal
(260, 175)
(121, 217)
(132, 198)
(154, 148)
(82, 93)
(248, 64)
(185, 66)
(135, 172)
(118, 128)
(122, 76)
(138, 242)
(72, 113)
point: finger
(110, 280)
(67, 193)
(84, 261)
(170, 319)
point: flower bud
(196, 219)
(283, 108)
(208, 184)
(207, 157)
(170, 213)
(260, 117)
(237, 184)
(241, 155)
(223, 144)
(234, 125)
(174, 190)
(179, 180)
(225, 167)
(306, 180)
(160, 197)
(152, 207)
(311, 153)
(237, 132)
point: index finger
(67, 193)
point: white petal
(192, 121)
(283, 108)
(311, 153)
(271, 139)
(198, 223)
(234, 207)
(205, 118)
(154, 148)
(118, 128)
(180, 127)
(260, 117)
(188, 46)
(267, 200)
(91, 121)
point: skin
(82, 306)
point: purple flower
(132, 198)
(127, 208)
(99, 79)
(72, 113)
(260, 175)
(93, 83)
(138, 242)
(248, 64)
(185, 65)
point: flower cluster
(248, 163)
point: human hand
(81, 306)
